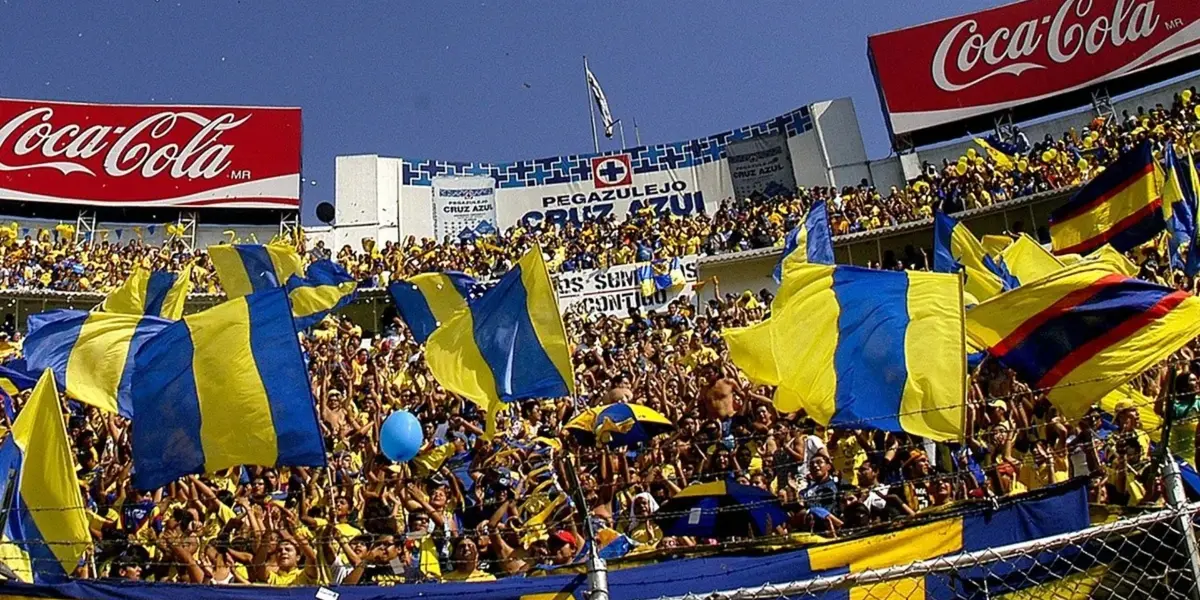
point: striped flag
(601, 102)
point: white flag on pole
(602, 103)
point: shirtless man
(718, 397)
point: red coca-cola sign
(140, 155)
(977, 64)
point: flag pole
(619, 122)
(591, 104)
(637, 135)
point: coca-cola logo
(967, 56)
(149, 147)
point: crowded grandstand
(680, 429)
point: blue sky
(487, 80)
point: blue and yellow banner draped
(248, 268)
(15, 378)
(46, 531)
(325, 287)
(90, 353)
(811, 241)
(153, 293)
(851, 346)
(956, 249)
(1122, 207)
(1084, 330)
(659, 275)
(426, 301)
(221, 388)
(1061, 510)
(509, 345)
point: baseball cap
(566, 537)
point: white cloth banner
(613, 291)
(463, 206)
(761, 164)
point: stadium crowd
(468, 509)
(48, 259)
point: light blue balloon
(401, 437)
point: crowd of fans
(470, 509)
(49, 259)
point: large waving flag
(510, 345)
(220, 388)
(956, 249)
(811, 241)
(46, 530)
(1084, 330)
(248, 268)
(658, 275)
(1002, 160)
(428, 300)
(154, 293)
(854, 347)
(1121, 207)
(326, 287)
(90, 353)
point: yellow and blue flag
(90, 353)
(1084, 330)
(46, 531)
(810, 241)
(659, 275)
(428, 300)
(1180, 204)
(1028, 260)
(154, 293)
(326, 287)
(956, 249)
(248, 268)
(14, 377)
(1122, 207)
(1002, 160)
(851, 346)
(509, 345)
(221, 388)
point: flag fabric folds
(1084, 330)
(46, 531)
(90, 353)
(428, 300)
(659, 275)
(1027, 260)
(14, 378)
(956, 249)
(810, 241)
(601, 101)
(1002, 160)
(154, 293)
(220, 388)
(326, 287)
(1122, 206)
(861, 348)
(248, 268)
(510, 345)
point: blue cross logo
(612, 171)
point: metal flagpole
(637, 135)
(623, 146)
(591, 104)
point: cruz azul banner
(615, 290)
(1023, 52)
(761, 165)
(463, 207)
(122, 155)
(679, 178)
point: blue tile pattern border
(645, 159)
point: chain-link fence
(1143, 557)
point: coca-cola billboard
(150, 155)
(1022, 54)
